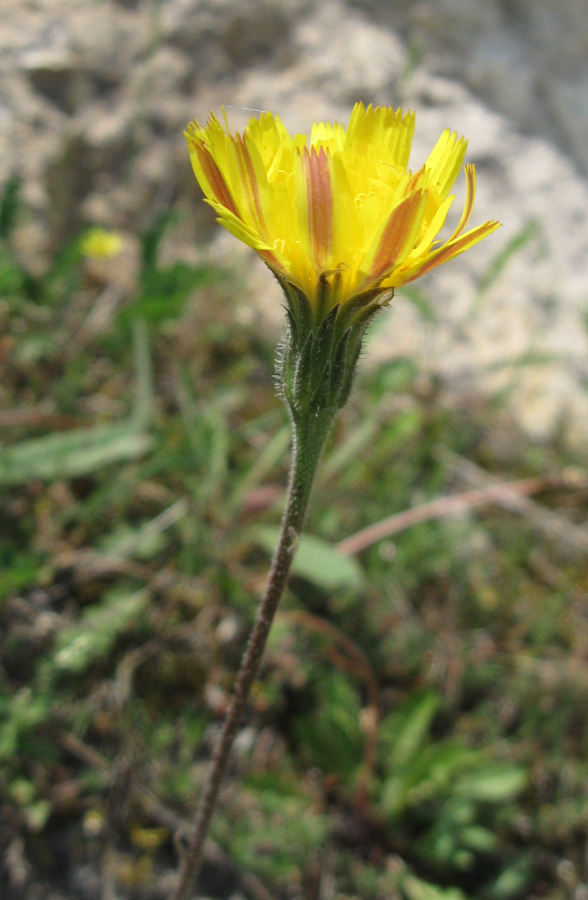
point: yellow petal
(342, 201)
(450, 250)
(445, 161)
(397, 236)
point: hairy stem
(307, 449)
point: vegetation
(418, 731)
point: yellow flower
(99, 243)
(343, 204)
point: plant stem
(306, 453)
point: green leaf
(9, 204)
(70, 455)
(513, 881)
(288, 830)
(17, 573)
(22, 791)
(36, 815)
(98, 630)
(20, 713)
(148, 540)
(414, 729)
(316, 560)
(415, 889)
(493, 784)
(82, 452)
(479, 839)
(331, 733)
(447, 759)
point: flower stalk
(315, 374)
(306, 453)
(341, 222)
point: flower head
(342, 208)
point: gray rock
(55, 74)
(510, 52)
(93, 98)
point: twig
(151, 529)
(98, 320)
(88, 564)
(86, 754)
(91, 564)
(553, 673)
(571, 539)
(36, 418)
(502, 493)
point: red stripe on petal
(394, 237)
(320, 203)
(248, 173)
(470, 174)
(272, 261)
(454, 248)
(415, 180)
(215, 179)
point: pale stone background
(94, 95)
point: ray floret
(342, 202)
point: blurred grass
(142, 476)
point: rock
(107, 132)
(569, 104)
(67, 184)
(93, 99)
(364, 60)
(559, 30)
(487, 339)
(107, 38)
(511, 54)
(258, 38)
(505, 80)
(222, 35)
(54, 73)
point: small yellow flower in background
(99, 243)
(343, 206)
